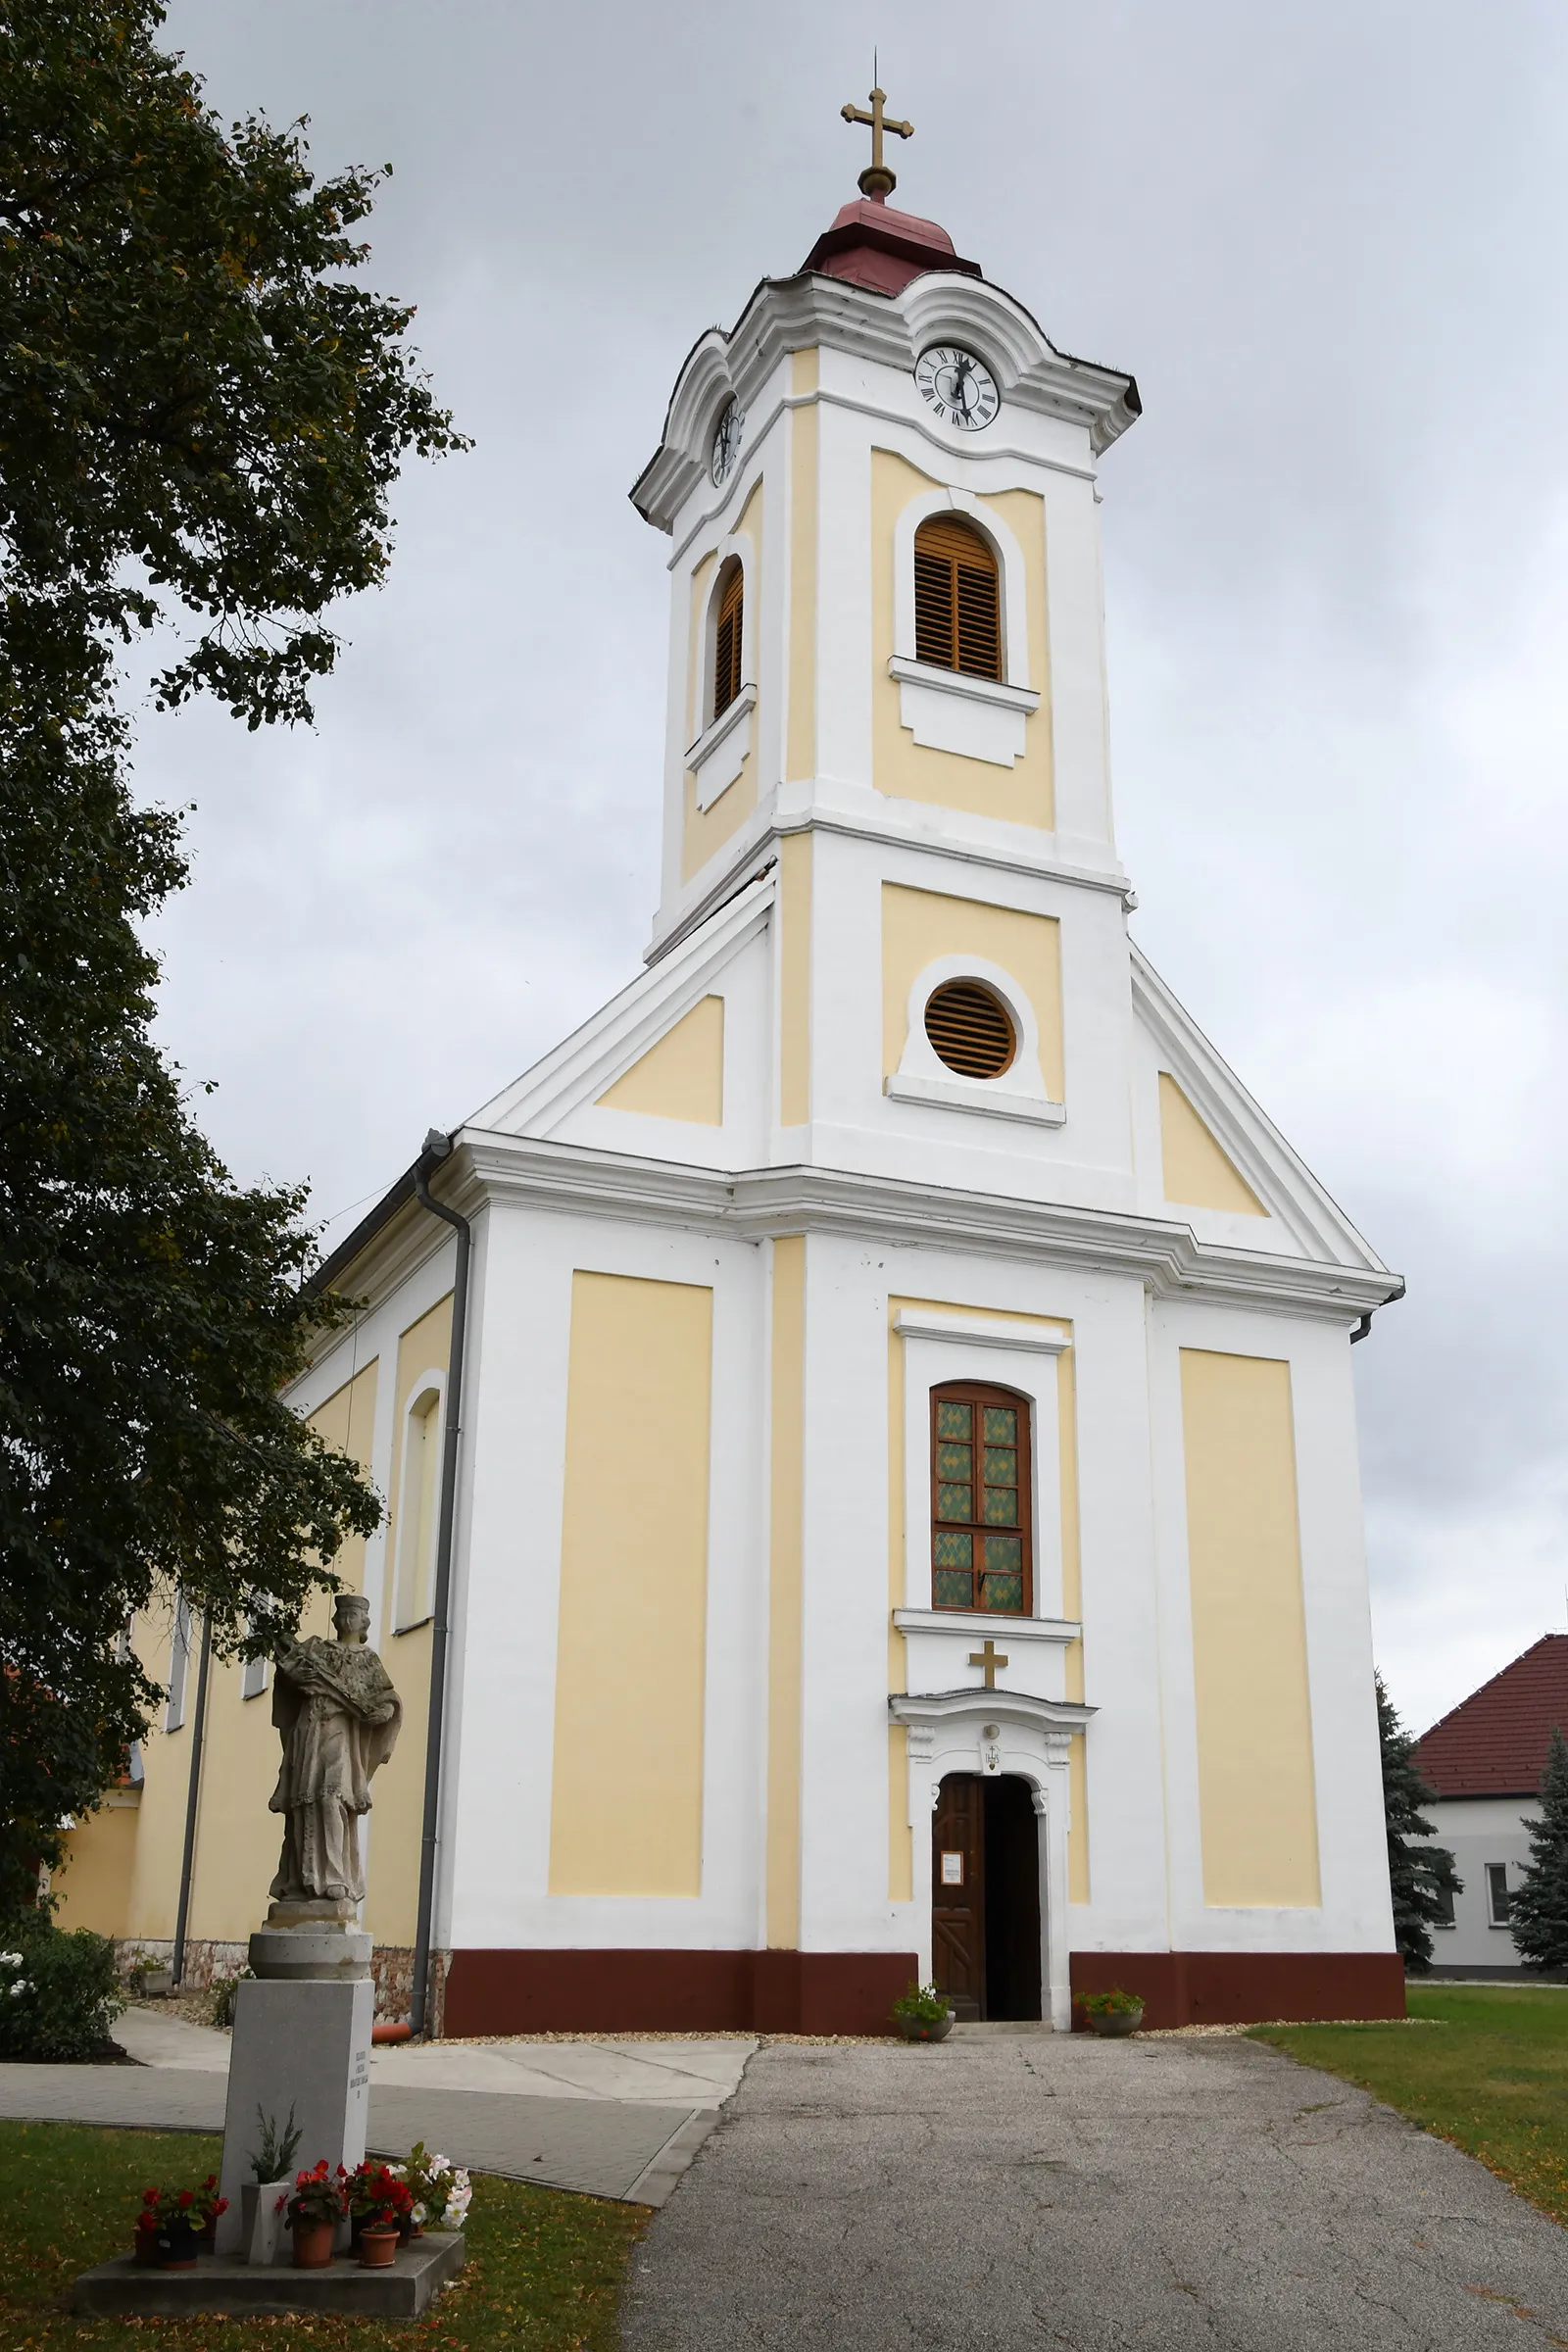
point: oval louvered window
(727, 636)
(957, 605)
(970, 1029)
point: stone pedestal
(299, 2041)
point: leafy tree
(1422, 1879)
(202, 414)
(1539, 1911)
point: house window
(728, 635)
(179, 1665)
(957, 604)
(980, 1499)
(1497, 1893)
(417, 1508)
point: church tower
(907, 1518)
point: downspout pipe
(193, 1791)
(437, 1147)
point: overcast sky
(1330, 243)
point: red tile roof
(1493, 1744)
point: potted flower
(380, 2203)
(179, 2224)
(922, 2014)
(1113, 2013)
(151, 1976)
(315, 2207)
(441, 2191)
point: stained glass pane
(955, 1502)
(953, 1589)
(953, 1420)
(954, 1550)
(1005, 1554)
(1002, 1466)
(955, 1461)
(1002, 1593)
(1001, 1425)
(1001, 1507)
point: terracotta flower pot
(1114, 2023)
(312, 2245)
(378, 2248)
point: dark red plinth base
(673, 1993)
(1246, 1988)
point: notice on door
(953, 1870)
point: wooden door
(959, 1894)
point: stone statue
(339, 1717)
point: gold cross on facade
(988, 1658)
(876, 180)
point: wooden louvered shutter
(727, 639)
(958, 608)
(970, 1029)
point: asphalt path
(993, 2193)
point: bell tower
(887, 680)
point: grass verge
(544, 2272)
(1494, 2080)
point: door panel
(959, 1894)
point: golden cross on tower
(988, 1658)
(876, 180)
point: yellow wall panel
(801, 711)
(1021, 794)
(706, 830)
(682, 1075)
(1195, 1172)
(794, 917)
(919, 925)
(1256, 1789)
(93, 1884)
(627, 1796)
(784, 1593)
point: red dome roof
(873, 246)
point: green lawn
(1490, 2072)
(544, 2270)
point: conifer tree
(1539, 1911)
(1422, 1879)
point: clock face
(961, 388)
(728, 443)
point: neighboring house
(1483, 1763)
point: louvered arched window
(957, 603)
(731, 592)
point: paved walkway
(996, 2192)
(617, 2119)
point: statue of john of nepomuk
(339, 1717)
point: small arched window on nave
(728, 634)
(958, 599)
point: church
(866, 1423)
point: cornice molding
(759, 1204)
(795, 314)
(993, 1706)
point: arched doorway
(985, 1897)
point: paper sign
(953, 1870)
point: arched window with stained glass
(980, 1499)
